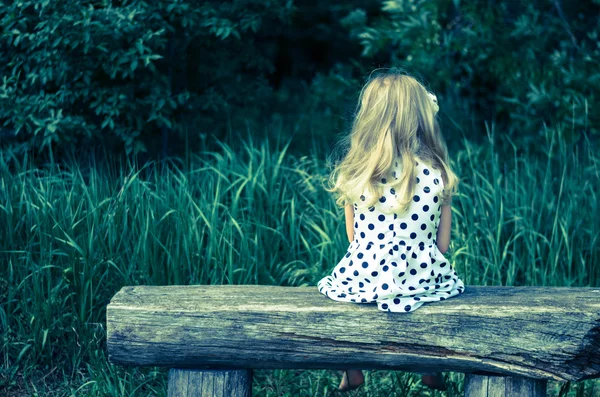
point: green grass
(71, 236)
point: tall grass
(70, 237)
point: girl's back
(394, 260)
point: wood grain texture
(503, 386)
(209, 383)
(534, 332)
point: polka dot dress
(394, 260)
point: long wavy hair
(395, 122)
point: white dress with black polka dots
(394, 260)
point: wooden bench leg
(210, 383)
(509, 386)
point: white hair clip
(435, 102)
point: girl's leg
(434, 380)
(351, 379)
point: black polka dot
(391, 226)
(348, 255)
(382, 262)
(423, 265)
(384, 306)
(356, 273)
(381, 236)
(403, 256)
(392, 191)
(365, 265)
(342, 269)
(423, 226)
(382, 199)
(413, 271)
(396, 301)
(371, 209)
(413, 235)
(381, 218)
(356, 224)
(350, 264)
(362, 234)
(435, 199)
(426, 171)
(436, 181)
(429, 235)
(361, 284)
(362, 198)
(385, 268)
(374, 274)
(384, 180)
(414, 217)
(403, 225)
(416, 198)
(425, 208)
(371, 226)
(384, 286)
(360, 255)
(426, 189)
(407, 308)
(432, 217)
(362, 217)
(417, 179)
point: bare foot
(436, 381)
(356, 379)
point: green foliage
(71, 237)
(118, 70)
(522, 64)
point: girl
(396, 185)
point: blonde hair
(395, 122)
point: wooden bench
(507, 340)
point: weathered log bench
(507, 340)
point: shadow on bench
(507, 340)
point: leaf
(23, 351)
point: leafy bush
(521, 64)
(74, 71)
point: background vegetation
(242, 101)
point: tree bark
(533, 332)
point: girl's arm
(443, 233)
(350, 222)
